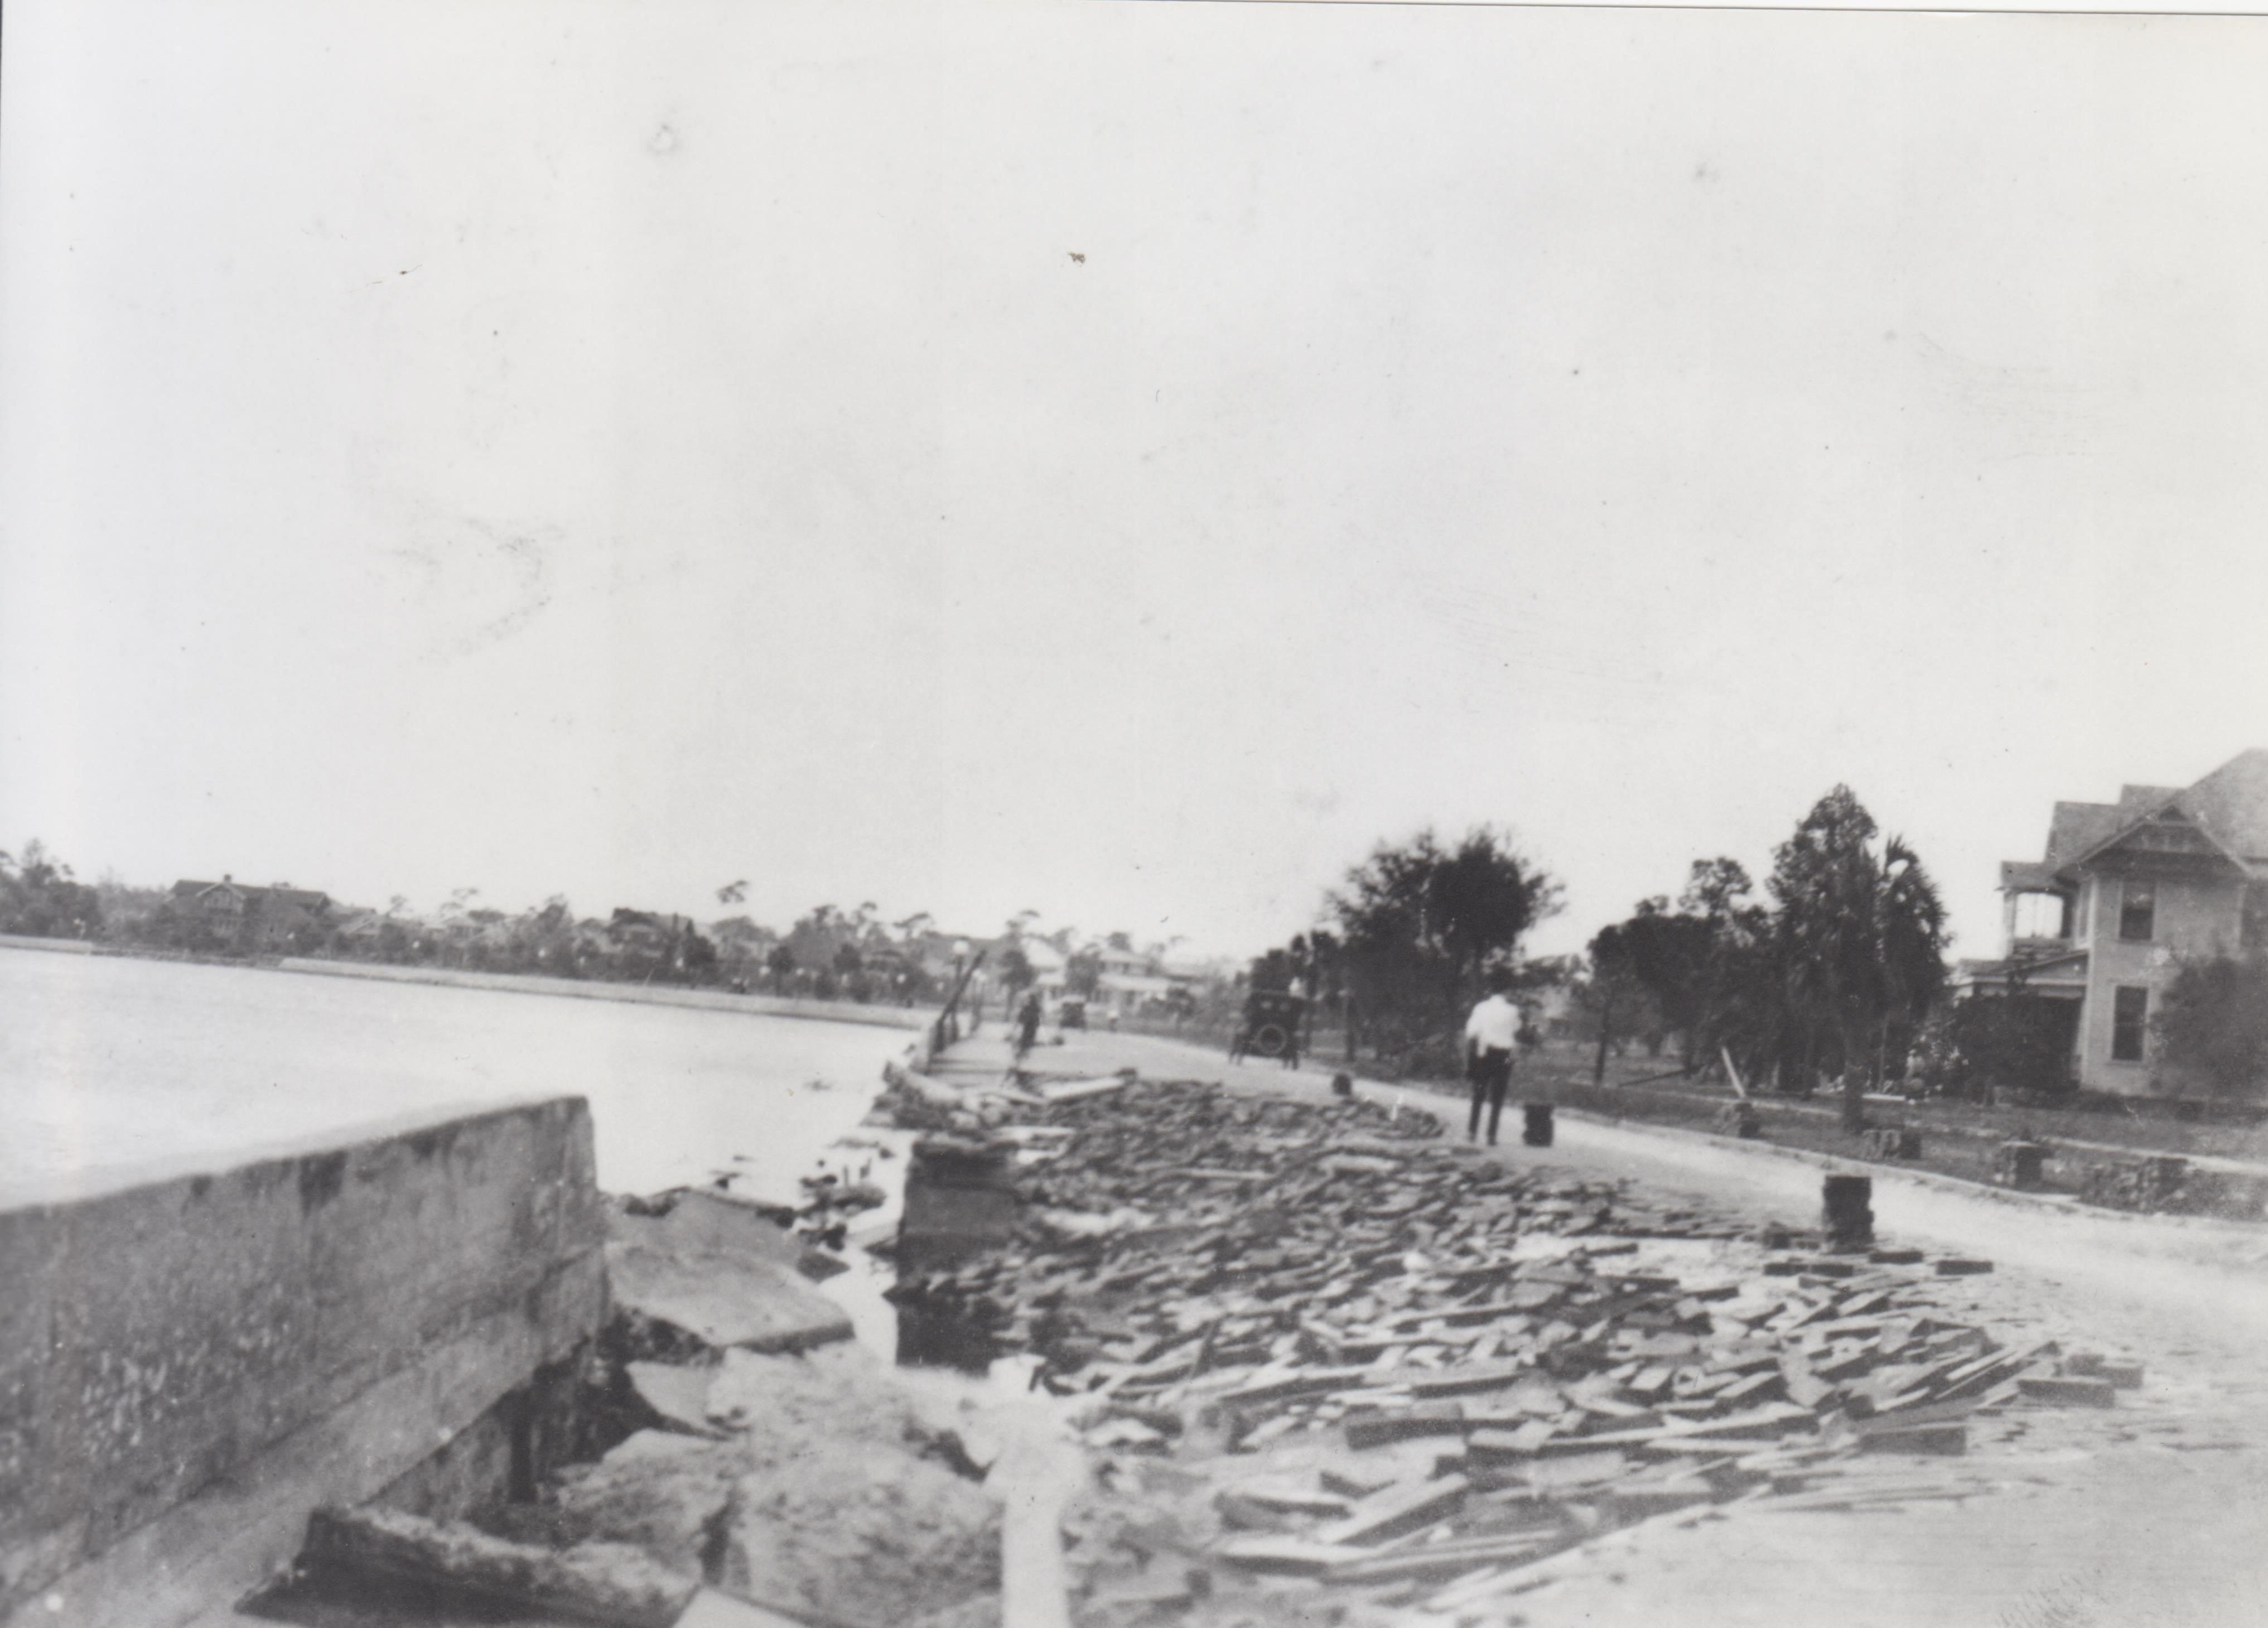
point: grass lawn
(1958, 1138)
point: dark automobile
(1270, 1027)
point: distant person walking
(1491, 1033)
(1028, 1024)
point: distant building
(2126, 890)
(1133, 992)
(252, 917)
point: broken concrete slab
(667, 1504)
(676, 1394)
(860, 1533)
(784, 1409)
(712, 1609)
(611, 1584)
(716, 1218)
(681, 1300)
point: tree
(2212, 1028)
(1418, 922)
(734, 893)
(1667, 953)
(781, 964)
(912, 929)
(2015, 1042)
(1016, 971)
(40, 898)
(1083, 973)
(1613, 998)
(1692, 962)
(1861, 942)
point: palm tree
(1861, 941)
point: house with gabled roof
(253, 917)
(2126, 892)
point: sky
(1119, 460)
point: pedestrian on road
(1491, 1033)
(1028, 1024)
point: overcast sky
(1116, 459)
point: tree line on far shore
(827, 954)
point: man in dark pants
(1490, 1035)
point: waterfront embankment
(272, 1241)
(190, 1363)
(640, 994)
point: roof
(2068, 970)
(2137, 802)
(2079, 828)
(2027, 876)
(2229, 805)
(307, 897)
(2232, 804)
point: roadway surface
(2155, 1513)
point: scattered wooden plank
(1451, 1560)
(1433, 1419)
(1940, 1439)
(1291, 1557)
(1406, 1506)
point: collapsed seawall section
(192, 1362)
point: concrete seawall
(643, 994)
(190, 1363)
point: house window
(2137, 912)
(2131, 1007)
(2252, 931)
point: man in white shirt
(1491, 1034)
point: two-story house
(2125, 891)
(255, 918)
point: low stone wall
(646, 994)
(190, 1365)
(61, 946)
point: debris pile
(815, 1485)
(1314, 1341)
(2019, 1164)
(2162, 1184)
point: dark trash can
(1536, 1129)
(1846, 1203)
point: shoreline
(517, 982)
(904, 1018)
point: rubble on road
(1314, 1341)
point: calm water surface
(111, 1066)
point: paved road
(2154, 1514)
